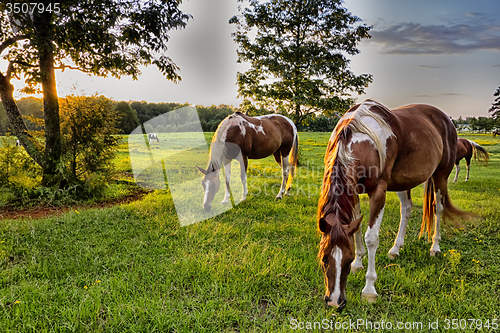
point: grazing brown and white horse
(495, 133)
(374, 150)
(242, 137)
(466, 149)
(153, 136)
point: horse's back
(259, 137)
(426, 144)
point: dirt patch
(40, 212)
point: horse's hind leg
(405, 210)
(243, 175)
(284, 171)
(468, 169)
(440, 192)
(457, 170)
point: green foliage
(495, 106)
(482, 124)
(112, 37)
(297, 57)
(31, 109)
(127, 117)
(87, 127)
(101, 38)
(18, 174)
(210, 117)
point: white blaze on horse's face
(211, 184)
(336, 267)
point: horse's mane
(338, 193)
(217, 146)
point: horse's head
(336, 254)
(211, 184)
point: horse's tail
(429, 208)
(450, 212)
(293, 160)
(482, 154)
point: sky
(440, 52)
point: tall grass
(132, 268)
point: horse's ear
(324, 226)
(203, 171)
(354, 226)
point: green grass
(132, 268)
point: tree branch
(11, 41)
(63, 67)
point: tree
(102, 38)
(297, 59)
(127, 117)
(87, 127)
(495, 106)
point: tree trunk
(50, 103)
(16, 121)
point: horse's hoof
(435, 253)
(355, 269)
(278, 198)
(392, 256)
(370, 298)
(223, 202)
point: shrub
(87, 127)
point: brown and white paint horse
(495, 133)
(374, 150)
(466, 149)
(242, 137)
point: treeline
(473, 124)
(132, 114)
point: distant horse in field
(242, 137)
(374, 150)
(495, 133)
(466, 149)
(152, 137)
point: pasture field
(133, 268)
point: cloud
(416, 38)
(438, 95)
(429, 66)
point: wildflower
(98, 281)
(17, 302)
(85, 287)
(76, 211)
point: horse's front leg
(405, 211)
(468, 169)
(377, 205)
(284, 173)
(227, 176)
(357, 264)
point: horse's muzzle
(340, 307)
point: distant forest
(132, 114)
